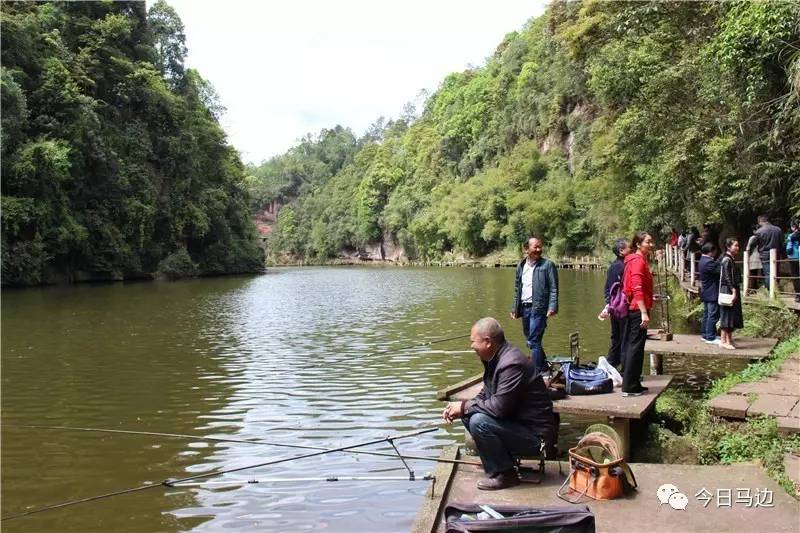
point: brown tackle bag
(597, 469)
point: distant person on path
(753, 261)
(693, 247)
(535, 298)
(709, 235)
(615, 349)
(673, 237)
(793, 254)
(730, 316)
(638, 287)
(512, 415)
(709, 293)
(768, 237)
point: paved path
(720, 498)
(777, 396)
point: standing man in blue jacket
(709, 293)
(535, 298)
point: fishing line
(173, 482)
(240, 441)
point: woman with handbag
(730, 301)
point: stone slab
(643, 507)
(780, 387)
(692, 345)
(788, 424)
(795, 412)
(730, 405)
(611, 404)
(772, 405)
(745, 388)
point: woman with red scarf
(638, 287)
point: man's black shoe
(501, 481)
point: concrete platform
(641, 510)
(691, 345)
(618, 409)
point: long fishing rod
(417, 344)
(241, 441)
(173, 482)
(426, 477)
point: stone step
(729, 405)
(772, 405)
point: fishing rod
(417, 344)
(241, 441)
(173, 482)
(426, 477)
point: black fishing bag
(585, 379)
(551, 519)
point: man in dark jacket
(768, 237)
(512, 415)
(709, 293)
(535, 298)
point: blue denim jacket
(545, 288)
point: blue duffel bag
(584, 379)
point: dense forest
(595, 119)
(114, 165)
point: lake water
(324, 356)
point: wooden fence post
(773, 272)
(745, 272)
(691, 270)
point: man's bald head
(489, 327)
(486, 337)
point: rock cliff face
(385, 250)
(266, 218)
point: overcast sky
(287, 68)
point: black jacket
(545, 287)
(709, 279)
(767, 238)
(512, 390)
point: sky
(287, 68)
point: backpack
(585, 379)
(617, 299)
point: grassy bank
(686, 432)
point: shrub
(177, 265)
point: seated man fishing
(513, 413)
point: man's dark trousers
(533, 326)
(708, 325)
(765, 270)
(499, 441)
(616, 350)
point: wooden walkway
(618, 410)
(640, 510)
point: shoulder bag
(725, 300)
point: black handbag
(551, 519)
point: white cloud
(284, 69)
